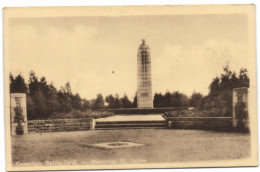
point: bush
(84, 114)
(241, 114)
(19, 119)
(212, 112)
(19, 129)
(18, 114)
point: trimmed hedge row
(213, 112)
(203, 123)
(58, 125)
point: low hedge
(84, 114)
(198, 113)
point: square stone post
(92, 124)
(240, 95)
(18, 101)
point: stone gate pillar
(240, 98)
(18, 113)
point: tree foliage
(174, 99)
(117, 102)
(195, 100)
(17, 84)
(220, 90)
(44, 100)
(99, 102)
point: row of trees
(175, 99)
(44, 99)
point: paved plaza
(149, 146)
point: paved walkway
(136, 117)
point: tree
(220, 90)
(52, 97)
(175, 99)
(111, 101)
(195, 100)
(214, 87)
(168, 101)
(85, 105)
(117, 102)
(31, 112)
(184, 100)
(17, 84)
(65, 98)
(42, 97)
(179, 100)
(158, 100)
(67, 89)
(99, 102)
(125, 102)
(134, 105)
(76, 102)
(41, 107)
(33, 83)
(243, 79)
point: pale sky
(187, 51)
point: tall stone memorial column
(144, 77)
(18, 114)
(240, 108)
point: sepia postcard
(130, 87)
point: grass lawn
(160, 145)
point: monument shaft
(144, 77)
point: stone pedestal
(18, 107)
(240, 96)
(92, 124)
(169, 124)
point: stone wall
(59, 125)
(203, 123)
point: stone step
(128, 128)
(131, 124)
(131, 121)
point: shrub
(19, 118)
(84, 114)
(241, 114)
(19, 129)
(212, 112)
